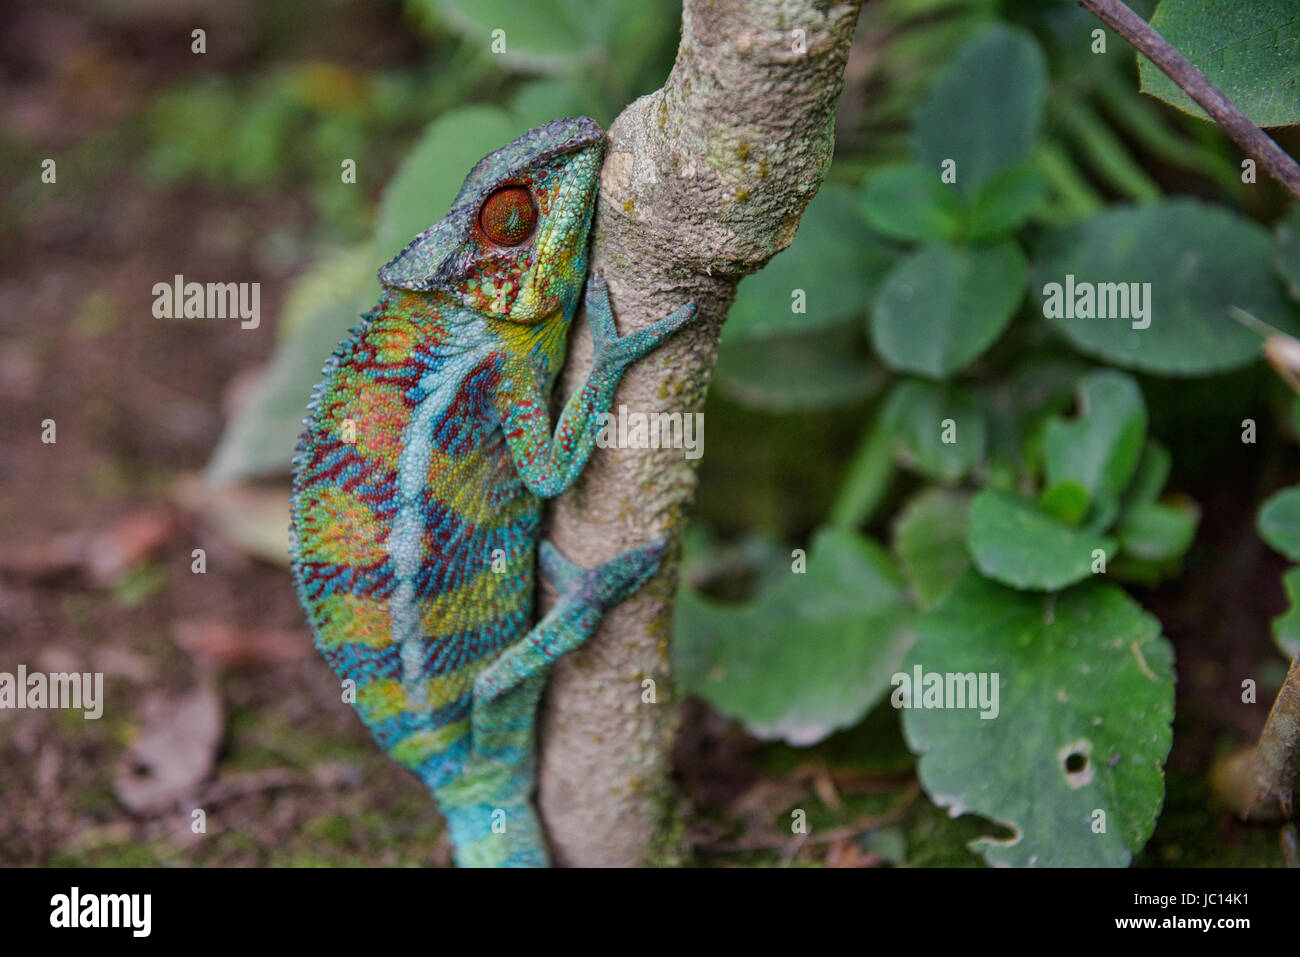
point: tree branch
(1192, 81)
(705, 180)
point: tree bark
(704, 181)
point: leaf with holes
(1072, 761)
(1019, 543)
(1185, 264)
(1249, 51)
(938, 309)
(809, 657)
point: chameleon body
(419, 482)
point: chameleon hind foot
(585, 595)
(608, 584)
(488, 809)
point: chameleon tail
(488, 809)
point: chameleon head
(514, 243)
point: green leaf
(816, 370)
(1249, 51)
(811, 656)
(908, 202)
(321, 307)
(930, 541)
(1067, 502)
(921, 415)
(1157, 532)
(867, 479)
(1151, 476)
(829, 272)
(426, 183)
(1006, 202)
(1019, 406)
(1085, 704)
(1287, 257)
(941, 307)
(1198, 261)
(1101, 448)
(1017, 542)
(1286, 627)
(986, 108)
(1279, 522)
(543, 100)
(552, 34)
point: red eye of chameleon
(508, 216)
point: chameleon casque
(419, 482)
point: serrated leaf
(908, 202)
(809, 657)
(938, 309)
(985, 109)
(1084, 709)
(1006, 202)
(1100, 449)
(1015, 541)
(1279, 522)
(1249, 51)
(1199, 260)
(1286, 627)
(829, 271)
(920, 415)
(1157, 532)
(930, 541)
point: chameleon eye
(508, 216)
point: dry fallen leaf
(174, 751)
(215, 643)
(102, 556)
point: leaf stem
(1192, 81)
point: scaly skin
(418, 487)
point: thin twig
(1192, 81)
